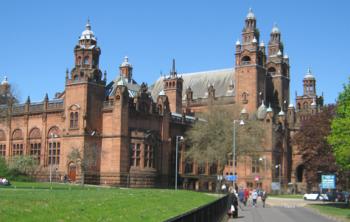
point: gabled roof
(199, 82)
(133, 87)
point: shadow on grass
(337, 209)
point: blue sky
(37, 38)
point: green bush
(3, 168)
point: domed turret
(309, 74)
(275, 29)
(250, 14)
(126, 62)
(87, 33)
(4, 82)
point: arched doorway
(300, 173)
(72, 172)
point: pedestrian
(254, 197)
(241, 195)
(263, 198)
(246, 196)
(223, 188)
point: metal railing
(212, 212)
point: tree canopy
(339, 137)
(211, 137)
(311, 139)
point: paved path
(279, 210)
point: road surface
(289, 211)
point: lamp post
(241, 122)
(265, 170)
(178, 139)
(279, 176)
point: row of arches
(34, 145)
(34, 133)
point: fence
(212, 212)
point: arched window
(299, 106)
(2, 135)
(35, 144)
(305, 105)
(135, 154)
(74, 120)
(54, 145)
(149, 156)
(255, 164)
(86, 60)
(17, 134)
(271, 71)
(79, 60)
(17, 144)
(246, 60)
(2, 150)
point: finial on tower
(250, 14)
(173, 69)
(88, 26)
(5, 81)
(275, 28)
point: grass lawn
(65, 202)
(339, 210)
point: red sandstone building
(126, 131)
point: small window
(246, 60)
(2, 150)
(86, 60)
(35, 150)
(74, 120)
(255, 165)
(54, 153)
(271, 71)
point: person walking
(246, 196)
(241, 195)
(263, 197)
(254, 197)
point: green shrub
(3, 168)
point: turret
(173, 89)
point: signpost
(231, 177)
(328, 181)
(275, 186)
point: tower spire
(173, 70)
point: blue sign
(328, 182)
(231, 177)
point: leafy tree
(8, 94)
(339, 137)
(316, 152)
(23, 166)
(3, 167)
(84, 160)
(211, 137)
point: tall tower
(126, 69)
(87, 55)
(277, 79)
(309, 102)
(173, 89)
(249, 69)
(85, 89)
(309, 84)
